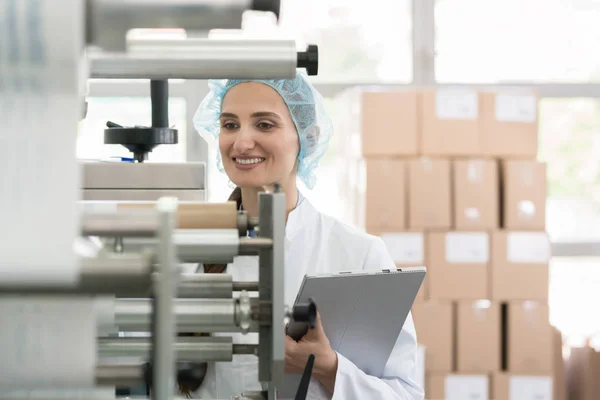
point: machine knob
(267, 5)
(305, 313)
(309, 59)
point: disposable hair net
(306, 107)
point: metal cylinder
(164, 292)
(109, 273)
(193, 215)
(119, 374)
(110, 20)
(137, 223)
(207, 286)
(206, 245)
(159, 96)
(200, 59)
(192, 315)
(219, 348)
(197, 245)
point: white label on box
(516, 107)
(471, 247)
(457, 104)
(467, 387)
(528, 248)
(405, 247)
(530, 388)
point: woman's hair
(236, 196)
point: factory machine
(65, 310)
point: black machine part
(273, 6)
(304, 316)
(309, 59)
(141, 140)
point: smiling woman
(259, 148)
(273, 132)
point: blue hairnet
(306, 107)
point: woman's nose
(244, 141)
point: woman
(276, 131)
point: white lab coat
(317, 243)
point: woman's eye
(229, 126)
(265, 126)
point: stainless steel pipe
(109, 20)
(209, 246)
(136, 223)
(192, 315)
(199, 59)
(109, 273)
(132, 374)
(206, 286)
(218, 348)
(119, 374)
(196, 245)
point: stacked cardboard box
(449, 179)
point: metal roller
(109, 273)
(218, 348)
(217, 286)
(196, 245)
(136, 223)
(192, 315)
(195, 215)
(204, 59)
(109, 20)
(205, 246)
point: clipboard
(362, 311)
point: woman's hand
(314, 342)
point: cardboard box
(407, 249)
(434, 324)
(478, 337)
(521, 387)
(519, 267)
(509, 124)
(524, 195)
(528, 339)
(380, 137)
(451, 123)
(583, 370)
(429, 194)
(560, 373)
(385, 194)
(476, 194)
(458, 265)
(457, 387)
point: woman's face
(258, 141)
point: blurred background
(410, 47)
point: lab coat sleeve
(399, 380)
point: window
(479, 41)
(358, 40)
(574, 297)
(570, 144)
(128, 111)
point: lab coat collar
(301, 216)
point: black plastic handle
(273, 6)
(302, 391)
(306, 313)
(309, 59)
